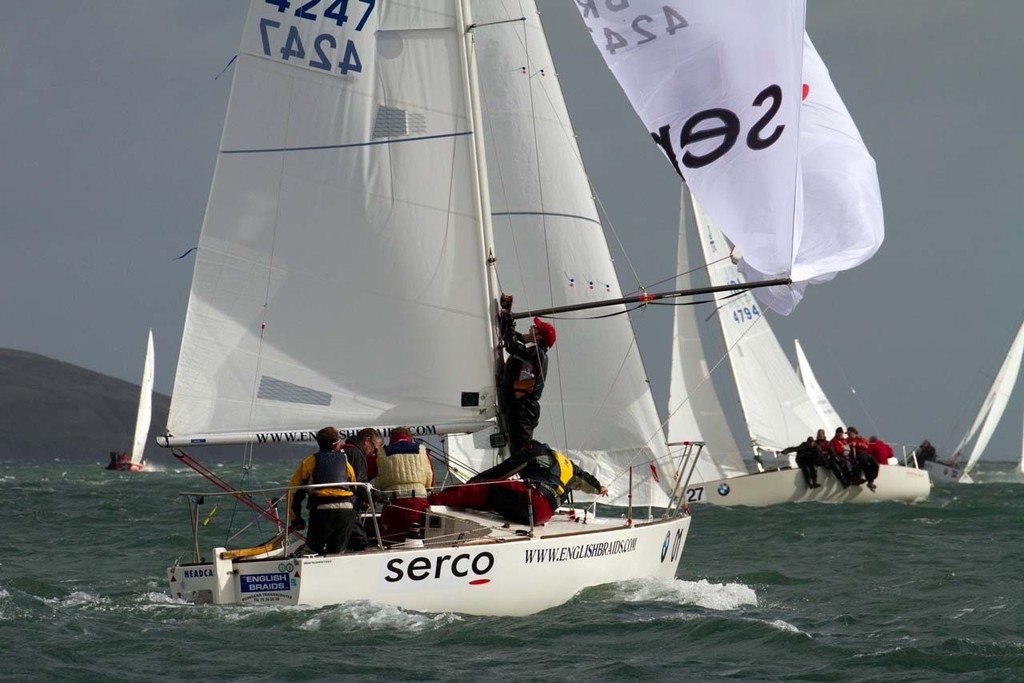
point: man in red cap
(522, 381)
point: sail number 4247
(320, 51)
(336, 10)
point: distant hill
(50, 409)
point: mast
(480, 157)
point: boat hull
(511, 577)
(788, 486)
(944, 474)
(127, 467)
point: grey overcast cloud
(110, 119)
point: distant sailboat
(134, 462)
(777, 410)
(986, 421)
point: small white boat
(134, 462)
(985, 422)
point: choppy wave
(925, 592)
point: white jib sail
(695, 411)
(995, 402)
(777, 410)
(340, 276)
(830, 419)
(597, 406)
(145, 413)
(718, 86)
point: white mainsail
(994, 405)
(597, 405)
(695, 411)
(830, 419)
(777, 410)
(145, 412)
(340, 273)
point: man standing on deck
(332, 512)
(362, 451)
(522, 381)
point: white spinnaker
(718, 85)
(830, 419)
(842, 224)
(777, 410)
(995, 402)
(145, 412)
(344, 217)
(597, 406)
(695, 411)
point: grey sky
(110, 119)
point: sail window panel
(272, 389)
(392, 122)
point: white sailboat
(143, 417)
(985, 422)
(373, 171)
(1020, 467)
(777, 411)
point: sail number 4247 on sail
(286, 42)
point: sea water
(795, 592)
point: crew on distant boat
(523, 377)
(545, 479)
(926, 452)
(837, 458)
(119, 461)
(404, 475)
(860, 455)
(332, 511)
(808, 457)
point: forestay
(597, 406)
(340, 274)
